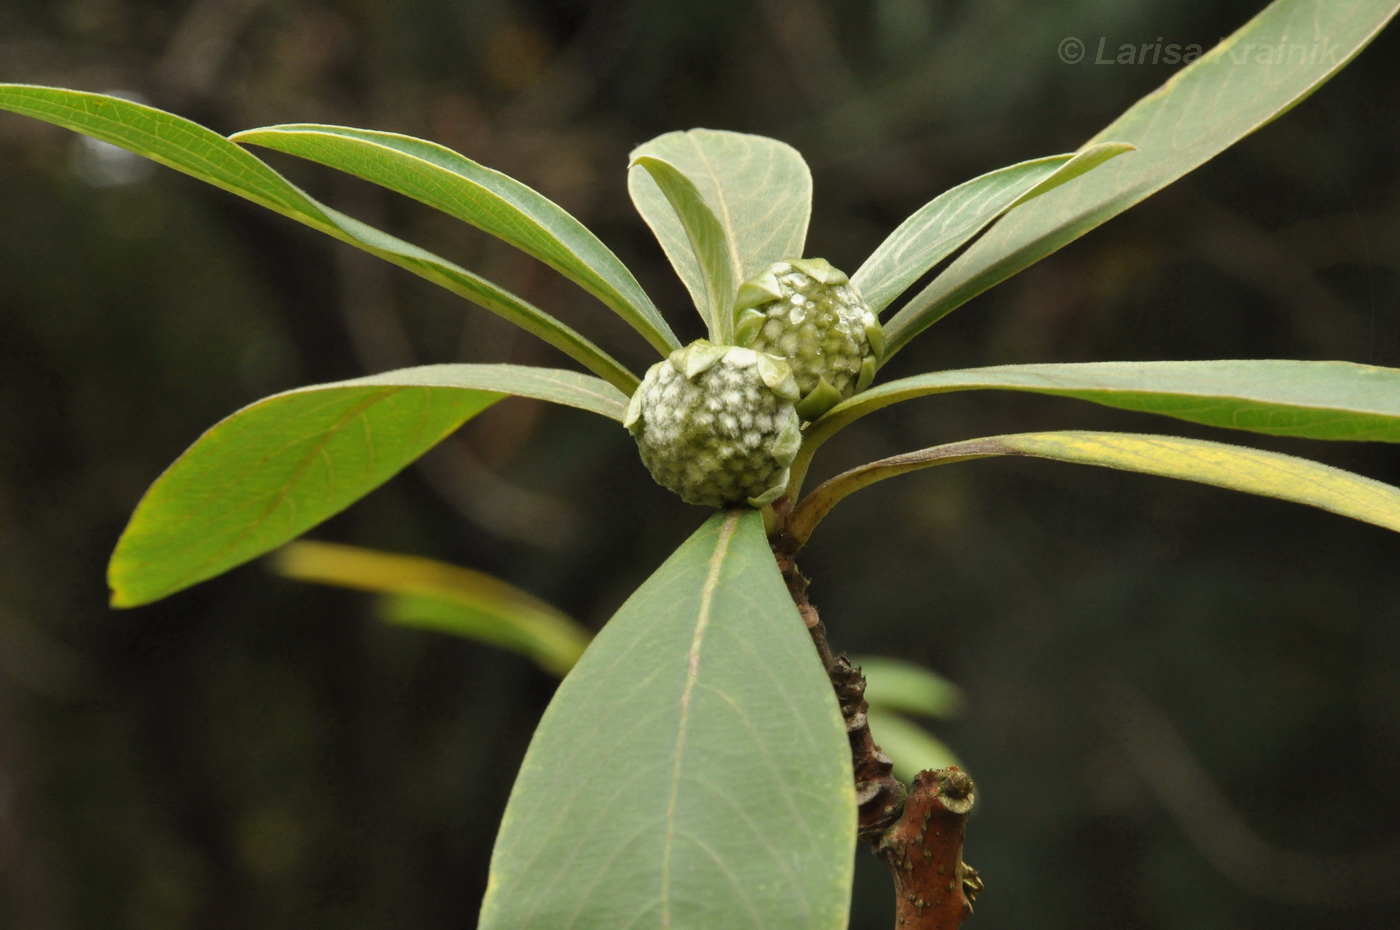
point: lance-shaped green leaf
(708, 243)
(910, 747)
(190, 148)
(903, 686)
(1268, 474)
(692, 770)
(483, 197)
(276, 468)
(1267, 66)
(941, 226)
(759, 190)
(1281, 397)
(434, 595)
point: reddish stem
(934, 888)
(918, 832)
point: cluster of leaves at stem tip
(792, 356)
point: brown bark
(934, 888)
(917, 832)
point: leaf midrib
(702, 622)
(527, 226)
(726, 223)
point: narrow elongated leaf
(445, 598)
(276, 468)
(944, 224)
(1252, 77)
(1314, 400)
(934, 231)
(1281, 397)
(190, 148)
(910, 747)
(708, 243)
(692, 770)
(483, 197)
(903, 686)
(758, 188)
(1083, 161)
(1253, 471)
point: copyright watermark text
(1072, 51)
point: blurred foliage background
(1184, 709)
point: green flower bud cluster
(809, 313)
(716, 424)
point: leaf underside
(692, 770)
(708, 243)
(278, 467)
(759, 190)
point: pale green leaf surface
(910, 747)
(655, 209)
(1081, 162)
(483, 197)
(708, 243)
(758, 188)
(1200, 111)
(1281, 397)
(445, 598)
(692, 770)
(1253, 471)
(276, 468)
(190, 148)
(904, 686)
(934, 231)
(946, 223)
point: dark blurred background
(1184, 704)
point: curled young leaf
(708, 244)
(759, 191)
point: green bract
(809, 313)
(716, 424)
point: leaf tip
(1116, 148)
(125, 585)
(121, 599)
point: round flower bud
(716, 424)
(809, 313)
